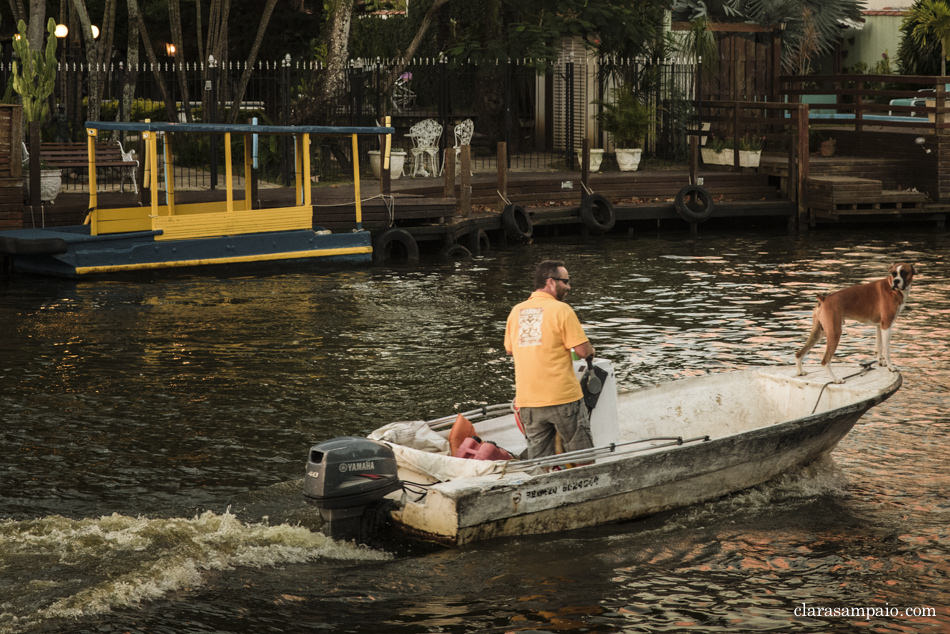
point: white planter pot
(51, 182)
(747, 158)
(628, 159)
(596, 157)
(397, 161)
(712, 157)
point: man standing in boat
(540, 334)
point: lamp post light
(59, 115)
(170, 51)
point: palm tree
(812, 27)
(931, 21)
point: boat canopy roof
(235, 128)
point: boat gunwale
(754, 433)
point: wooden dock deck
(552, 200)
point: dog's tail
(816, 331)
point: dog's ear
(913, 269)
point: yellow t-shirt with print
(540, 333)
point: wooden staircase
(835, 197)
(842, 188)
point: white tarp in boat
(441, 467)
(413, 433)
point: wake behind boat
(655, 449)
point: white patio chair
(425, 151)
(128, 157)
(464, 130)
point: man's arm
(584, 350)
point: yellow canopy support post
(389, 142)
(151, 139)
(93, 190)
(298, 170)
(356, 181)
(146, 176)
(228, 174)
(248, 166)
(169, 174)
(307, 192)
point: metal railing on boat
(617, 449)
(483, 412)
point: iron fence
(542, 113)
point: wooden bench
(74, 156)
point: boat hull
(464, 511)
(71, 252)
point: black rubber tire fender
(597, 213)
(455, 251)
(694, 203)
(395, 245)
(516, 222)
(478, 242)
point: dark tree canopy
(519, 29)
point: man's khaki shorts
(541, 424)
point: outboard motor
(348, 478)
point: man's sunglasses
(562, 279)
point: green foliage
(914, 58)
(699, 44)
(535, 29)
(747, 142)
(34, 76)
(927, 27)
(372, 38)
(812, 27)
(626, 118)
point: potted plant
(750, 150)
(714, 152)
(718, 151)
(51, 182)
(596, 158)
(397, 162)
(626, 119)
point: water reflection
(158, 405)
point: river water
(155, 431)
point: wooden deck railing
(776, 127)
(904, 103)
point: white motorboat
(655, 449)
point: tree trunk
(19, 13)
(93, 73)
(174, 17)
(36, 28)
(131, 63)
(216, 41)
(252, 59)
(412, 48)
(147, 43)
(338, 43)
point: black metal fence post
(211, 85)
(507, 122)
(445, 104)
(569, 114)
(286, 155)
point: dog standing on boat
(877, 303)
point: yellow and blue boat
(164, 234)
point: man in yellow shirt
(540, 334)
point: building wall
(881, 34)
